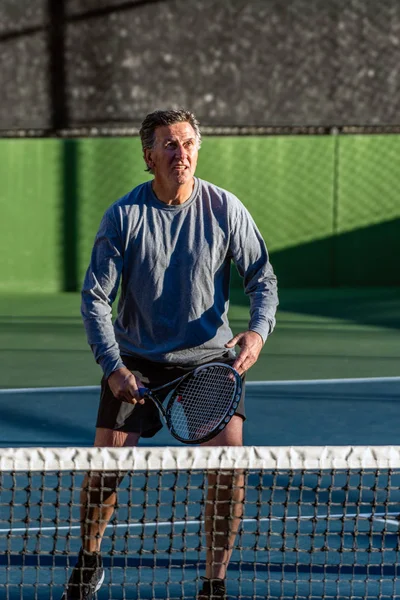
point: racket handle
(143, 391)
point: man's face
(173, 157)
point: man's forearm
(263, 304)
(97, 319)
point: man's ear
(148, 158)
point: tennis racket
(200, 404)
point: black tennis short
(145, 418)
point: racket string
(201, 402)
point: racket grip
(143, 391)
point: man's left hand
(250, 344)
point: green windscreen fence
(367, 241)
(31, 223)
(327, 205)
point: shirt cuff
(109, 364)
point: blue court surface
(304, 535)
(316, 412)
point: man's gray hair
(161, 118)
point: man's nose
(180, 151)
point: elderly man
(169, 243)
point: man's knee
(110, 438)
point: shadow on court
(365, 306)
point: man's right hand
(124, 386)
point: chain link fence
(298, 101)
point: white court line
(298, 382)
(395, 522)
(331, 381)
(54, 390)
(381, 517)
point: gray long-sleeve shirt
(173, 262)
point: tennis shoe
(213, 589)
(86, 578)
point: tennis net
(318, 522)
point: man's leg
(98, 498)
(224, 506)
(98, 494)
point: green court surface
(320, 334)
